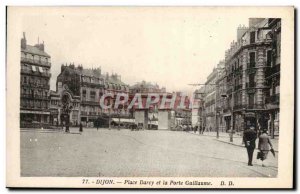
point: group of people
(264, 144)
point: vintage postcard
(150, 97)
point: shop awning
(33, 68)
(227, 115)
(122, 120)
(153, 122)
(34, 112)
(272, 106)
(41, 69)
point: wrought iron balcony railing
(36, 62)
(36, 73)
(248, 106)
(274, 99)
(273, 70)
(36, 85)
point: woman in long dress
(264, 145)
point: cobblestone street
(124, 153)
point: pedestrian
(263, 146)
(97, 124)
(249, 138)
(80, 127)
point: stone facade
(34, 86)
(246, 63)
(86, 87)
(210, 101)
(272, 99)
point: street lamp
(231, 121)
(217, 86)
(67, 108)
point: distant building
(222, 108)
(34, 86)
(210, 101)
(150, 118)
(146, 87)
(195, 111)
(86, 87)
(200, 95)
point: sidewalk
(237, 139)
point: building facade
(34, 86)
(246, 63)
(152, 117)
(272, 99)
(85, 88)
(221, 97)
(210, 101)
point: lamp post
(109, 112)
(67, 108)
(232, 115)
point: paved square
(124, 153)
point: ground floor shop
(34, 118)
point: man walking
(249, 140)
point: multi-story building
(200, 94)
(148, 117)
(86, 87)
(35, 76)
(273, 76)
(195, 111)
(221, 101)
(146, 87)
(246, 63)
(210, 101)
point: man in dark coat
(249, 140)
(80, 127)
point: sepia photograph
(150, 97)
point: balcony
(251, 85)
(36, 85)
(210, 114)
(274, 99)
(35, 62)
(93, 85)
(229, 91)
(251, 68)
(35, 73)
(237, 71)
(38, 97)
(272, 71)
(248, 106)
(89, 102)
(92, 113)
(238, 87)
(238, 106)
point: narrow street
(124, 153)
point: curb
(236, 144)
(209, 135)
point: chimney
(23, 41)
(62, 68)
(41, 46)
(79, 67)
(241, 31)
(254, 21)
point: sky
(172, 47)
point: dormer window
(252, 37)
